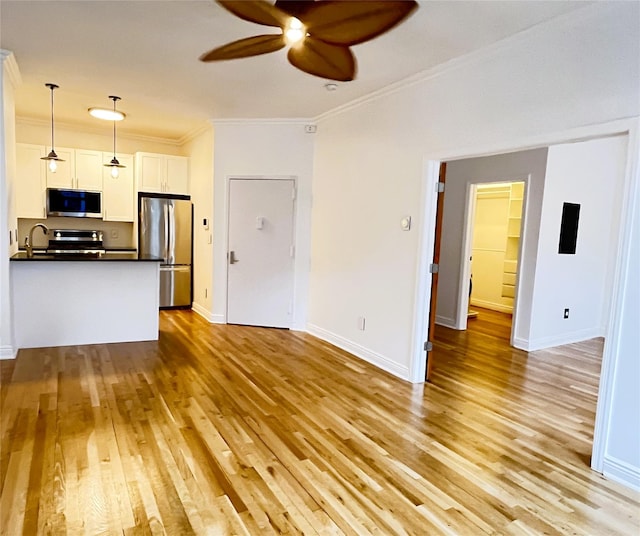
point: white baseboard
(521, 344)
(204, 313)
(8, 352)
(208, 315)
(218, 319)
(621, 472)
(493, 306)
(562, 339)
(446, 322)
(357, 350)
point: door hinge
(292, 251)
(434, 268)
(293, 194)
(440, 187)
(428, 346)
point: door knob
(232, 257)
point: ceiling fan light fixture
(319, 34)
(106, 114)
(294, 32)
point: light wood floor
(233, 430)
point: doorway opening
(492, 248)
(565, 172)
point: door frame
(227, 207)
(431, 163)
(467, 246)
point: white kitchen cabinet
(118, 194)
(81, 170)
(162, 173)
(31, 181)
(177, 175)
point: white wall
(255, 149)
(619, 400)
(528, 166)
(590, 174)
(200, 151)
(9, 77)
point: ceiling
(147, 51)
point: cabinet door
(118, 202)
(31, 181)
(64, 176)
(150, 172)
(177, 175)
(88, 170)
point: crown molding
(36, 122)
(11, 67)
(459, 62)
(194, 133)
(271, 121)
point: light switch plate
(405, 223)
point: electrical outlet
(566, 314)
(361, 323)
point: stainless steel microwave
(75, 203)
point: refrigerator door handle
(170, 222)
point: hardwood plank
(219, 429)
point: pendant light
(114, 164)
(52, 157)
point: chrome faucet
(28, 242)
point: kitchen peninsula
(72, 300)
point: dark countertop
(107, 257)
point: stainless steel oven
(75, 242)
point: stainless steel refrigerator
(165, 230)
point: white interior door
(260, 253)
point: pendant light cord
(115, 160)
(52, 145)
(52, 87)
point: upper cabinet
(162, 173)
(31, 181)
(81, 170)
(118, 194)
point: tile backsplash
(117, 234)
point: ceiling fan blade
(257, 11)
(295, 8)
(322, 59)
(244, 48)
(349, 23)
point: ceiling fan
(319, 33)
